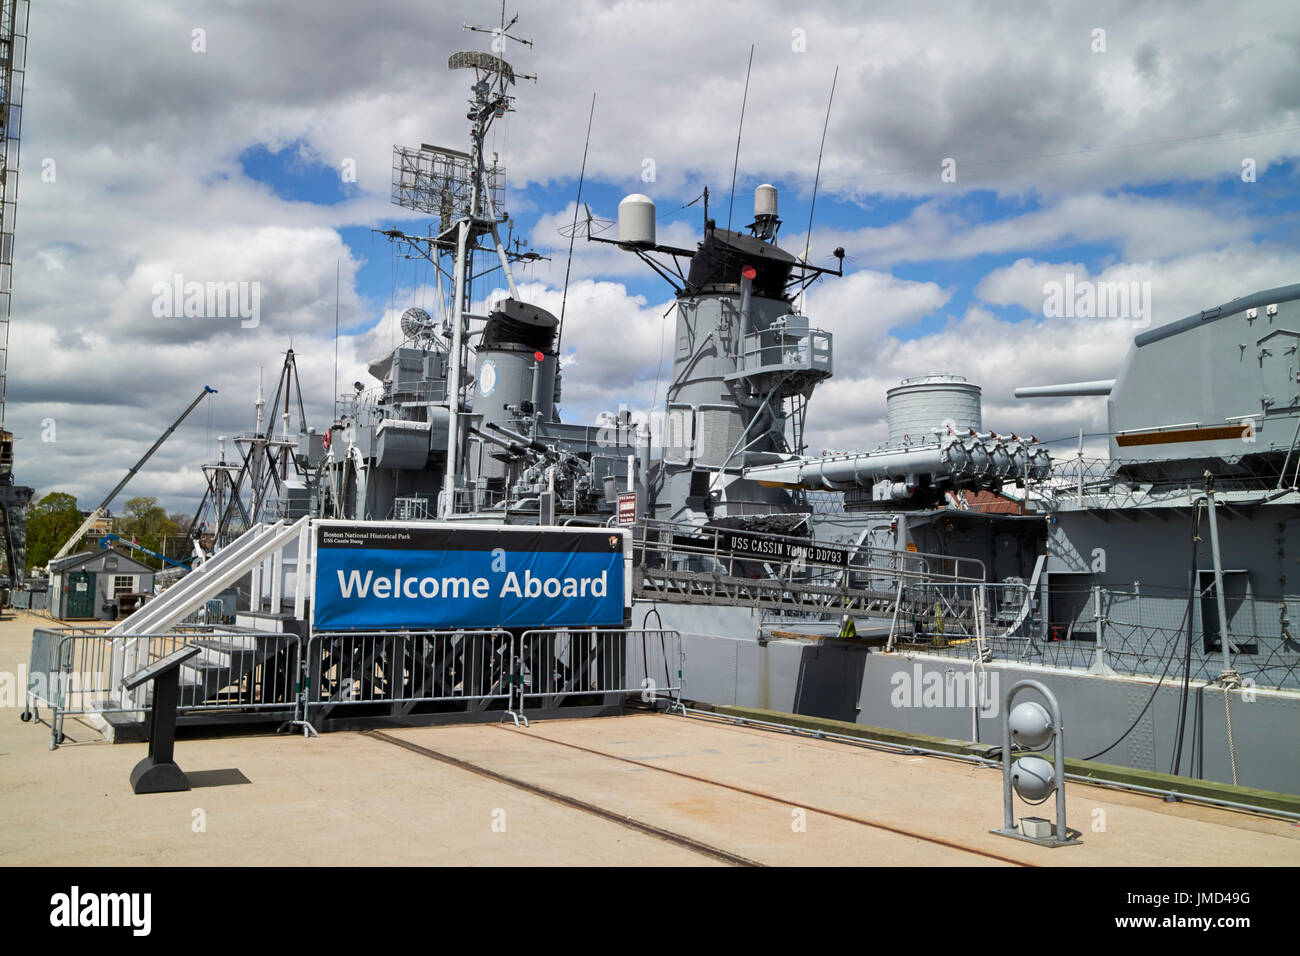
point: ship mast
(465, 192)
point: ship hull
(732, 659)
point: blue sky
(1271, 203)
(213, 145)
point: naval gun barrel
(1099, 387)
(511, 446)
(530, 443)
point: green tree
(145, 521)
(50, 522)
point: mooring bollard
(157, 772)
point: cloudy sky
(976, 152)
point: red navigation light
(749, 272)
(540, 357)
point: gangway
(689, 564)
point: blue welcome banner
(372, 576)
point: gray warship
(898, 587)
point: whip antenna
(338, 265)
(736, 162)
(564, 298)
(807, 243)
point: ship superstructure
(1152, 592)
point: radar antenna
(586, 225)
(465, 191)
(419, 327)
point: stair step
(238, 642)
(212, 667)
(222, 654)
(229, 646)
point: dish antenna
(419, 327)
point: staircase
(241, 670)
(238, 668)
(212, 577)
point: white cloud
(146, 145)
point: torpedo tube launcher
(379, 575)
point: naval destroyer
(901, 586)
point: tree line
(54, 518)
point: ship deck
(643, 789)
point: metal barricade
(385, 674)
(41, 664)
(348, 678)
(235, 670)
(237, 675)
(596, 668)
(68, 673)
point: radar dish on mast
(587, 225)
(477, 60)
(419, 326)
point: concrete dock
(641, 790)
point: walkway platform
(640, 790)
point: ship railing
(676, 546)
(825, 502)
(791, 347)
(1153, 632)
(962, 619)
(472, 501)
(76, 672)
(419, 392)
(1130, 482)
(1149, 630)
(414, 508)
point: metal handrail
(859, 556)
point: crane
(103, 505)
(108, 539)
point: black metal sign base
(158, 773)
(149, 776)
